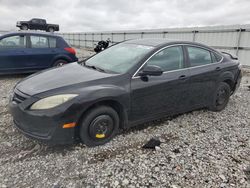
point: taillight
(70, 50)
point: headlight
(51, 102)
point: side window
(35, 21)
(13, 42)
(52, 42)
(214, 60)
(39, 42)
(216, 57)
(198, 56)
(41, 21)
(168, 59)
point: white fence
(2, 32)
(233, 39)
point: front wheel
(99, 126)
(24, 27)
(221, 97)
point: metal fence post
(85, 40)
(238, 40)
(79, 40)
(164, 34)
(74, 39)
(70, 41)
(194, 32)
(124, 36)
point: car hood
(59, 77)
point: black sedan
(128, 84)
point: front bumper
(43, 126)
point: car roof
(156, 42)
(37, 19)
(30, 32)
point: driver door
(13, 54)
(154, 96)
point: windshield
(119, 58)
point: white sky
(107, 15)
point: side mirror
(151, 70)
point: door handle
(183, 77)
(217, 68)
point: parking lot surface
(198, 149)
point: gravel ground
(199, 149)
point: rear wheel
(59, 63)
(221, 97)
(24, 27)
(99, 126)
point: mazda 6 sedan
(127, 84)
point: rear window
(198, 56)
(39, 42)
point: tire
(99, 126)
(51, 29)
(221, 97)
(24, 27)
(59, 63)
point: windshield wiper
(94, 67)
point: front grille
(19, 97)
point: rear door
(42, 25)
(205, 68)
(13, 53)
(42, 50)
(165, 94)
